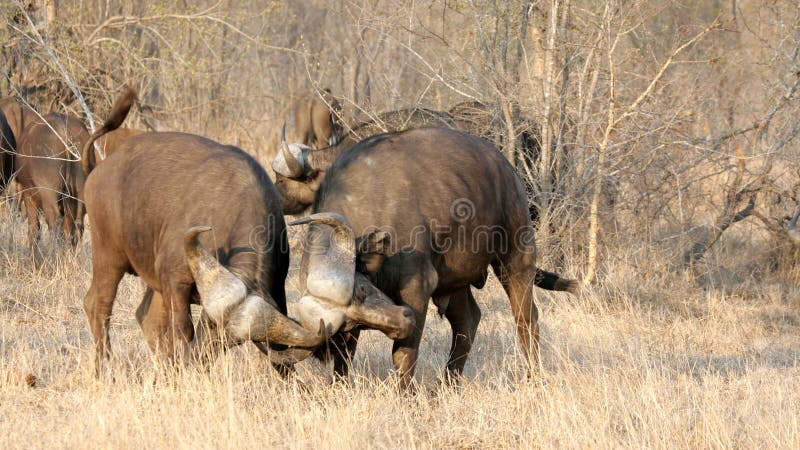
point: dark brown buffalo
(402, 119)
(49, 175)
(299, 169)
(8, 147)
(316, 120)
(429, 210)
(13, 118)
(479, 119)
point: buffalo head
(295, 178)
(335, 291)
(242, 313)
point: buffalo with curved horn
(155, 206)
(422, 214)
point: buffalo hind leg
(415, 292)
(31, 206)
(69, 225)
(98, 304)
(464, 314)
(52, 211)
(517, 277)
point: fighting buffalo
(422, 214)
(155, 206)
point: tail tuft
(553, 282)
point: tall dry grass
(647, 358)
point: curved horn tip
(190, 238)
(300, 221)
(323, 331)
(324, 217)
(195, 230)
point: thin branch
(649, 90)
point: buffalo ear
(371, 252)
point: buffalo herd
(400, 208)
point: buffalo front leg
(208, 342)
(152, 319)
(342, 348)
(415, 293)
(98, 304)
(464, 314)
(165, 319)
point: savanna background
(665, 172)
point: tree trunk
(544, 172)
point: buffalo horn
(225, 300)
(331, 260)
(295, 167)
(336, 220)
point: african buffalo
(316, 120)
(479, 119)
(149, 203)
(8, 147)
(49, 177)
(401, 119)
(429, 210)
(14, 116)
(299, 169)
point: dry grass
(645, 359)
